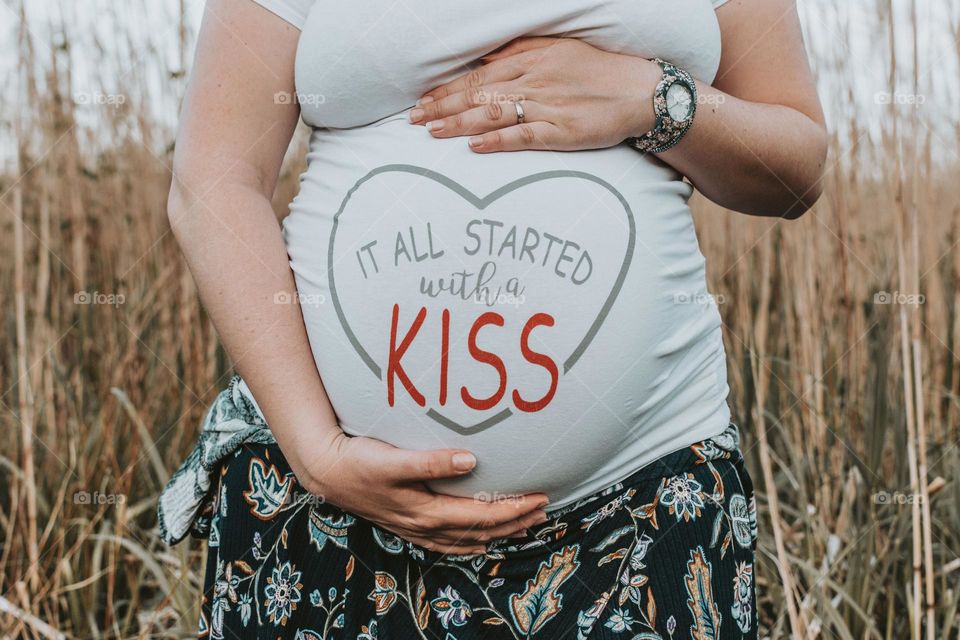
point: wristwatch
(674, 105)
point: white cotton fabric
(293, 11)
(390, 221)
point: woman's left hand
(574, 96)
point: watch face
(679, 101)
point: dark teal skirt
(666, 554)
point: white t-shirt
(546, 310)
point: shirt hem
(592, 488)
(291, 16)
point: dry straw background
(841, 330)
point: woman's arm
(758, 141)
(232, 139)
(234, 132)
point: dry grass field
(841, 330)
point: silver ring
(517, 104)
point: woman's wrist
(311, 452)
(641, 79)
(323, 456)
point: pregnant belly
(538, 309)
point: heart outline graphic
(482, 203)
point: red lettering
(537, 320)
(444, 354)
(485, 357)
(394, 368)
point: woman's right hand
(386, 485)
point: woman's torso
(547, 311)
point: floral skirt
(667, 553)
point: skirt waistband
(234, 420)
(606, 503)
(723, 446)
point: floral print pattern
(683, 496)
(282, 593)
(664, 555)
(451, 608)
(384, 592)
(540, 600)
(742, 608)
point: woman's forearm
(756, 155)
(758, 141)
(233, 245)
(760, 159)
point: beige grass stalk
(24, 391)
(914, 277)
(798, 623)
(37, 625)
(25, 395)
(908, 394)
(916, 598)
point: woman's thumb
(433, 464)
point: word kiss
(396, 371)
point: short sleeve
(293, 11)
(717, 3)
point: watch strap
(666, 132)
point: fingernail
(545, 502)
(519, 534)
(464, 461)
(424, 100)
(416, 115)
(475, 142)
(434, 125)
(541, 518)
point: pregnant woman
(493, 376)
